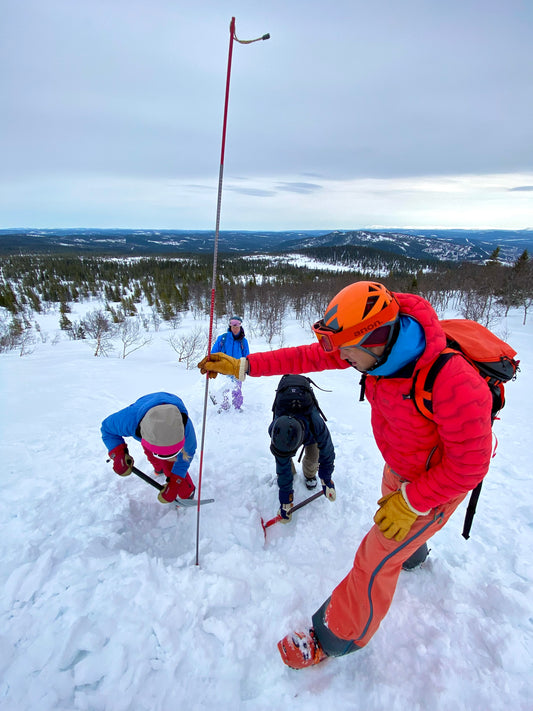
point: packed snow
(104, 608)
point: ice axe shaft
(157, 485)
(294, 508)
(147, 478)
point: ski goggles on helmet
(331, 339)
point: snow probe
(232, 37)
(294, 508)
(185, 503)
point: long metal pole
(215, 257)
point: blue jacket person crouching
(160, 422)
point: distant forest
(260, 289)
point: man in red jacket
(430, 466)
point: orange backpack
(493, 358)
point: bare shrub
(100, 329)
(482, 308)
(131, 337)
(190, 347)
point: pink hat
(162, 431)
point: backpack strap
(422, 396)
(362, 387)
(315, 400)
(324, 390)
(422, 389)
(225, 338)
(471, 510)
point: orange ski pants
(362, 599)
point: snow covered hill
(442, 245)
(454, 245)
(103, 608)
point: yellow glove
(395, 516)
(204, 370)
(225, 364)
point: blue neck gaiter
(409, 345)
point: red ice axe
(178, 502)
(294, 508)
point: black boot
(417, 558)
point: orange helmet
(354, 313)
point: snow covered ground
(103, 608)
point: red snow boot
(301, 649)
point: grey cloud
(254, 192)
(201, 188)
(522, 189)
(128, 90)
(299, 187)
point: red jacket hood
(422, 311)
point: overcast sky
(390, 113)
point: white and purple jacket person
(234, 344)
(160, 422)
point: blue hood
(409, 346)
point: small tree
(42, 334)
(8, 298)
(65, 324)
(98, 327)
(522, 283)
(271, 316)
(26, 341)
(76, 331)
(131, 337)
(10, 334)
(190, 347)
(156, 319)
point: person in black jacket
(290, 430)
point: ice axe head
(294, 508)
(269, 523)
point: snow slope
(103, 608)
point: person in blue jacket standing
(233, 342)
(159, 421)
